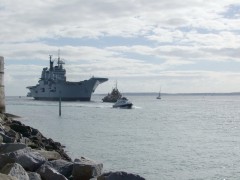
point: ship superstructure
(53, 84)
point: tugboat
(53, 85)
(123, 103)
(113, 96)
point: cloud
(132, 40)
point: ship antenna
(58, 53)
(58, 57)
(51, 62)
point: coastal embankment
(26, 154)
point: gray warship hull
(68, 91)
(53, 85)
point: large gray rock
(86, 169)
(21, 128)
(4, 159)
(48, 173)
(34, 176)
(1, 126)
(28, 159)
(15, 170)
(7, 177)
(6, 139)
(1, 139)
(12, 134)
(11, 147)
(25, 140)
(49, 155)
(63, 167)
(2, 117)
(119, 176)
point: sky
(190, 46)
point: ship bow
(98, 81)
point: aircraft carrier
(53, 85)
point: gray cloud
(177, 33)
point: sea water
(177, 137)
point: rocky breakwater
(25, 154)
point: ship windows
(53, 90)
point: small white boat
(123, 103)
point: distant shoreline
(166, 94)
(179, 94)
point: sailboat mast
(159, 94)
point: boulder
(34, 176)
(1, 139)
(16, 122)
(52, 145)
(18, 132)
(63, 154)
(48, 173)
(11, 133)
(49, 155)
(29, 159)
(24, 130)
(119, 176)
(15, 170)
(63, 167)
(4, 159)
(5, 138)
(86, 169)
(2, 117)
(36, 132)
(10, 147)
(26, 141)
(7, 177)
(1, 127)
